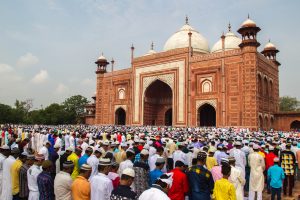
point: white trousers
(33, 195)
(252, 195)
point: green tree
(287, 103)
(6, 113)
(75, 106)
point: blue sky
(48, 47)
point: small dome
(231, 42)
(270, 45)
(248, 23)
(101, 57)
(180, 39)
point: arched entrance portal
(120, 116)
(206, 115)
(295, 125)
(157, 98)
(168, 117)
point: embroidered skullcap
(271, 148)
(70, 149)
(224, 161)
(145, 152)
(85, 167)
(160, 160)
(104, 162)
(201, 155)
(68, 163)
(105, 143)
(5, 147)
(39, 157)
(129, 172)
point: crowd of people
(164, 163)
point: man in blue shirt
(275, 176)
(83, 159)
(156, 173)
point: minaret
(270, 52)
(101, 65)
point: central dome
(180, 39)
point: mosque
(189, 84)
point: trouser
(16, 197)
(268, 185)
(170, 164)
(247, 169)
(275, 192)
(288, 183)
(34, 195)
(252, 195)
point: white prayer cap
(70, 149)
(129, 172)
(271, 148)
(276, 159)
(5, 147)
(145, 152)
(56, 146)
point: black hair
(226, 169)
(129, 154)
(194, 161)
(179, 163)
(161, 183)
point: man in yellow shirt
(74, 157)
(211, 161)
(14, 171)
(224, 190)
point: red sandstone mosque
(189, 84)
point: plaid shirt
(46, 186)
(24, 191)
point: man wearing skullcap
(123, 191)
(83, 159)
(157, 172)
(216, 171)
(93, 161)
(45, 182)
(14, 171)
(113, 175)
(200, 179)
(222, 154)
(7, 177)
(240, 157)
(237, 178)
(74, 157)
(45, 150)
(32, 175)
(101, 185)
(81, 189)
(211, 161)
(223, 188)
(128, 163)
(275, 178)
(141, 169)
(63, 158)
(63, 182)
(257, 180)
(4, 153)
(24, 191)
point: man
(63, 158)
(121, 155)
(101, 185)
(123, 191)
(81, 189)
(211, 161)
(74, 157)
(141, 169)
(223, 188)
(159, 189)
(93, 161)
(239, 157)
(45, 182)
(269, 163)
(275, 178)
(4, 153)
(67, 140)
(32, 175)
(128, 163)
(157, 172)
(24, 191)
(180, 185)
(200, 179)
(7, 178)
(53, 158)
(257, 166)
(153, 158)
(288, 160)
(45, 150)
(83, 159)
(63, 182)
(178, 154)
(222, 154)
(237, 179)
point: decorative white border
(212, 102)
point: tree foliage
(287, 103)
(68, 112)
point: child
(275, 177)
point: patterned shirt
(123, 192)
(24, 191)
(46, 186)
(288, 162)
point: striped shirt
(24, 191)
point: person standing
(275, 177)
(32, 175)
(157, 172)
(24, 191)
(45, 182)
(128, 163)
(74, 157)
(93, 161)
(257, 180)
(63, 182)
(237, 179)
(141, 169)
(45, 150)
(101, 185)
(81, 188)
(123, 191)
(83, 159)
(4, 153)
(200, 179)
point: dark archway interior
(157, 100)
(168, 117)
(206, 115)
(120, 116)
(295, 125)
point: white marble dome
(248, 23)
(231, 42)
(180, 39)
(270, 45)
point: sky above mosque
(48, 47)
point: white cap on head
(145, 152)
(70, 149)
(56, 146)
(129, 172)
(276, 159)
(271, 148)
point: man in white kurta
(2, 159)
(63, 182)
(32, 175)
(7, 179)
(240, 157)
(257, 179)
(93, 161)
(237, 179)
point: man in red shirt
(180, 185)
(269, 163)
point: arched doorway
(157, 97)
(120, 116)
(168, 117)
(295, 125)
(206, 115)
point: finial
(112, 60)
(132, 47)
(229, 27)
(186, 20)
(248, 16)
(152, 45)
(102, 54)
(269, 40)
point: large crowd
(145, 163)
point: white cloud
(40, 77)
(61, 88)
(8, 73)
(87, 82)
(5, 68)
(27, 60)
